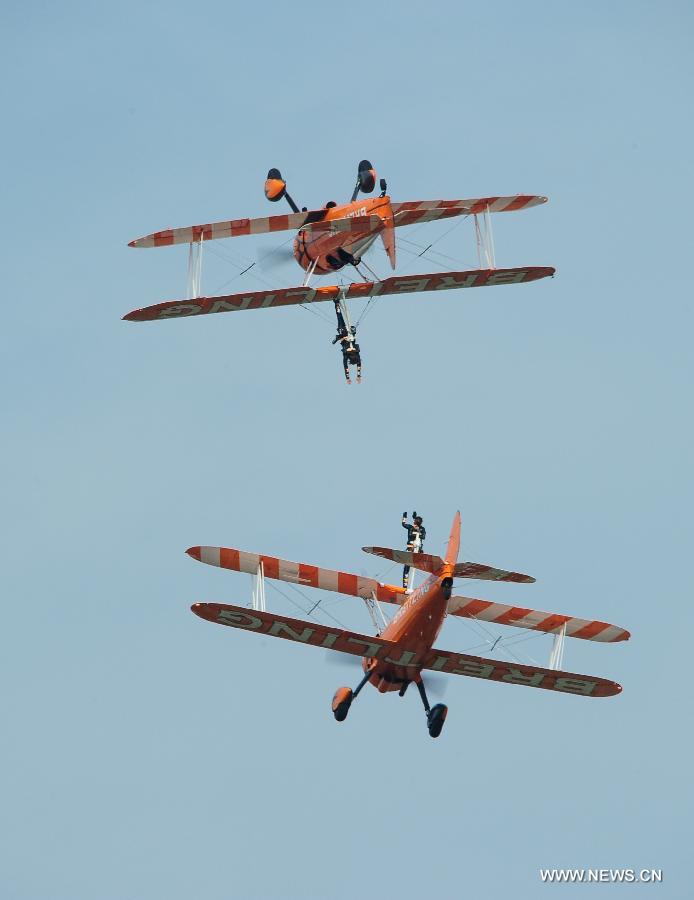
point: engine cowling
(275, 185)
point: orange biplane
(336, 236)
(402, 649)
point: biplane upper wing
(404, 284)
(535, 620)
(405, 661)
(489, 573)
(414, 211)
(231, 228)
(517, 673)
(297, 573)
(426, 562)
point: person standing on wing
(416, 532)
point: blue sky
(148, 754)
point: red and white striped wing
(535, 620)
(428, 210)
(230, 228)
(295, 573)
(489, 573)
(403, 284)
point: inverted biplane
(335, 237)
(403, 648)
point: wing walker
(402, 650)
(337, 237)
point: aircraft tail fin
(453, 547)
(388, 235)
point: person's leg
(340, 318)
(345, 365)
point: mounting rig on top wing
(337, 236)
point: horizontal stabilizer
(517, 673)
(376, 648)
(296, 573)
(488, 573)
(415, 211)
(423, 561)
(519, 617)
(403, 284)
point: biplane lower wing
(425, 562)
(297, 573)
(535, 620)
(404, 284)
(489, 573)
(376, 648)
(516, 673)
(311, 633)
(415, 211)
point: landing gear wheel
(435, 719)
(342, 702)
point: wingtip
(194, 552)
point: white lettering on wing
(227, 306)
(407, 659)
(575, 685)
(181, 309)
(448, 281)
(239, 619)
(477, 670)
(515, 676)
(371, 649)
(281, 629)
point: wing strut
(258, 595)
(556, 656)
(484, 239)
(195, 268)
(373, 606)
